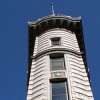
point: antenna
(52, 5)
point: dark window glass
(57, 63)
(55, 41)
(59, 97)
(59, 91)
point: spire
(52, 5)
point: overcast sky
(14, 17)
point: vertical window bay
(57, 63)
(59, 91)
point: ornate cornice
(54, 21)
(58, 16)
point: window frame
(55, 39)
(51, 59)
(66, 89)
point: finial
(52, 5)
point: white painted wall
(78, 82)
(68, 40)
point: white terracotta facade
(39, 85)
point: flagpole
(52, 5)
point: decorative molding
(61, 50)
(58, 74)
(59, 16)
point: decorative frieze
(58, 74)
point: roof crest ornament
(52, 5)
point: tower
(57, 64)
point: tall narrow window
(57, 63)
(55, 41)
(59, 91)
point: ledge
(55, 50)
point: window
(55, 41)
(59, 91)
(57, 63)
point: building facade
(57, 65)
